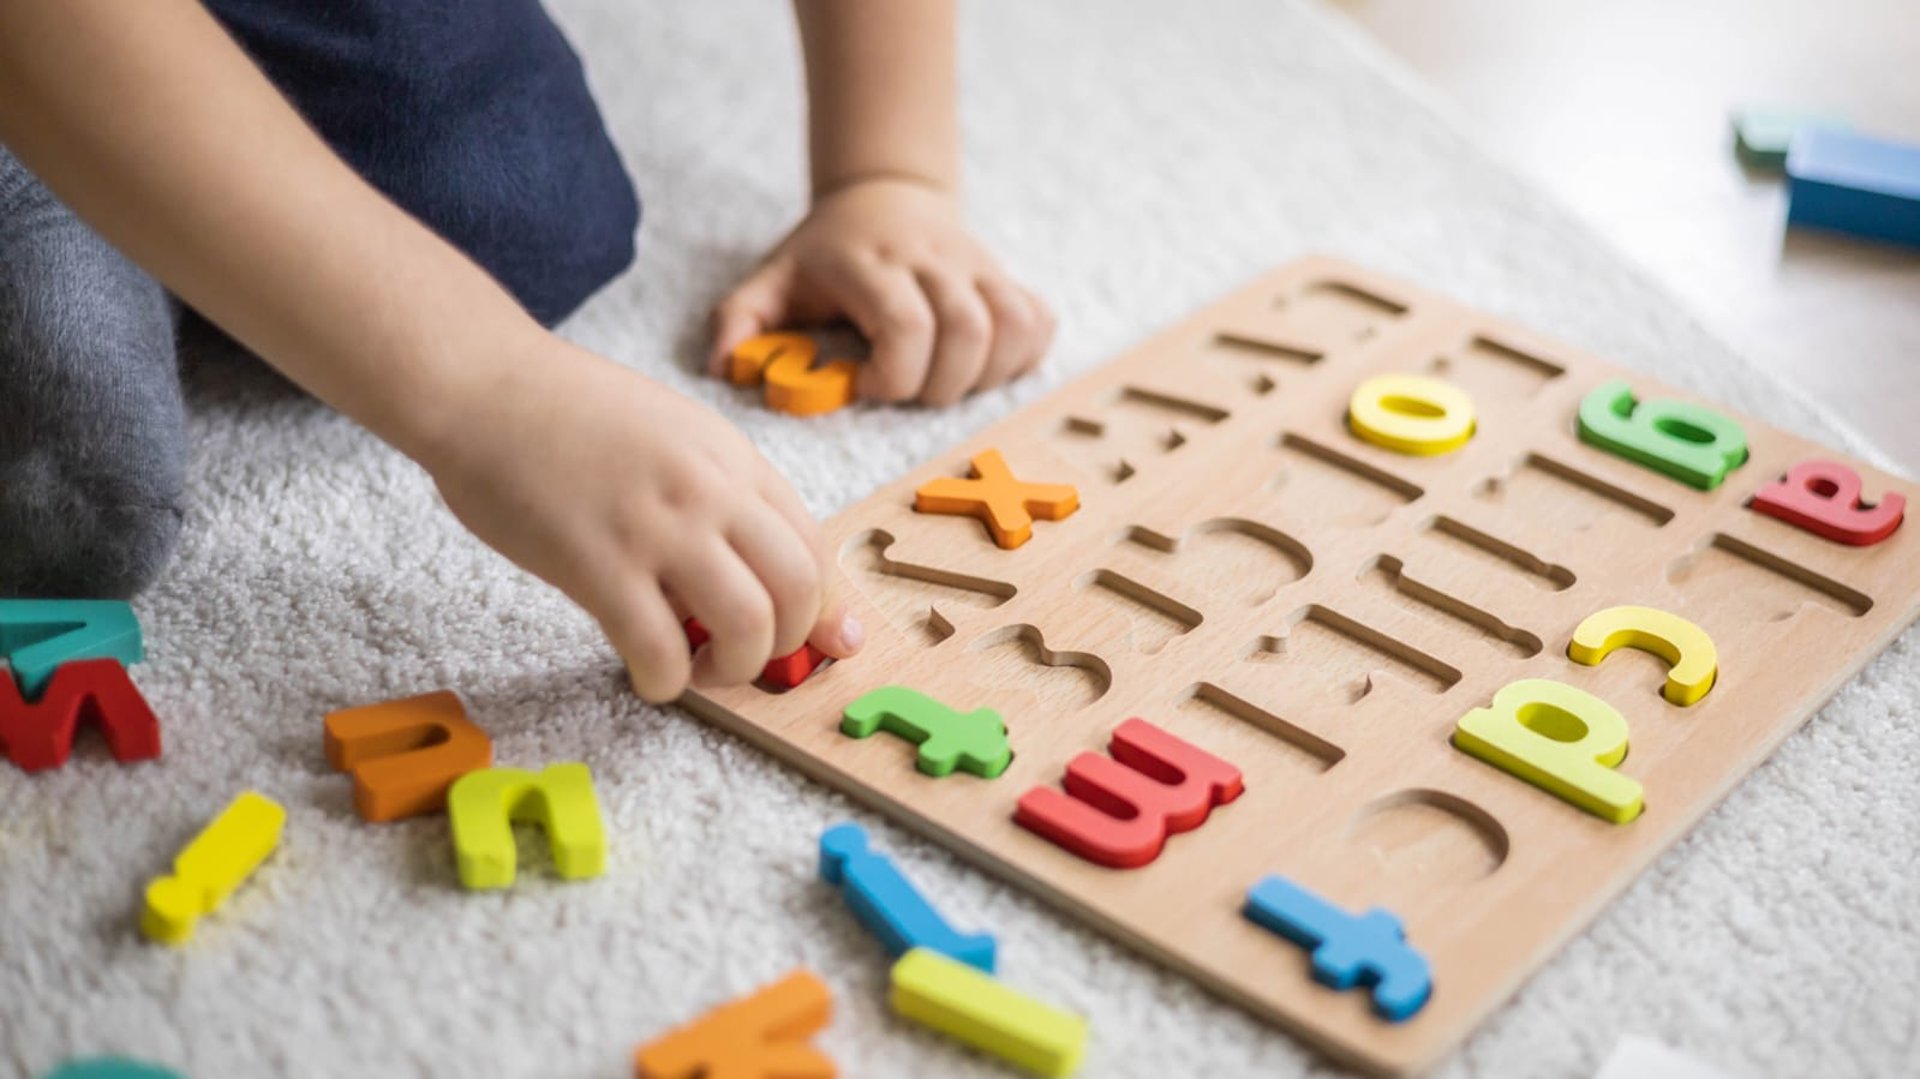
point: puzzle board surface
(1251, 577)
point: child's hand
(644, 507)
(893, 257)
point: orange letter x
(1007, 505)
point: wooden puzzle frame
(1246, 574)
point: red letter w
(1118, 811)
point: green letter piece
(1694, 445)
(37, 635)
(973, 741)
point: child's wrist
(829, 188)
(441, 401)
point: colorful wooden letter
(1118, 811)
(973, 741)
(1411, 414)
(40, 735)
(483, 806)
(784, 672)
(763, 1036)
(38, 635)
(961, 1002)
(1346, 950)
(1563, 740)
(1007, 505)
(405, 754)
(1823, 497)
(1691, 443)
(1856, 184)
(1762, 133)
(888, 904)
(225, 853)
(1686, 647)
(109, 1068)
(794, 385)
(747, 364)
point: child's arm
(640, 505)
(884, 245)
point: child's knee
(93, 450)
(74, 537)
(565, 250)
(91, 501)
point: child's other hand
(893, 257)
(644, 507)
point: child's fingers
(785, 501)
(645, 632)
(787, 568)
(964, 335)
(1019, 331)
(754, 307)
(1049, 329)
(731, 603)
(835, 630)
(887, 305)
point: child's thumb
(755, 306)
(839, 632)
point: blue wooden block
(110, 1068)
(1854, 184)
(888, 904)
(1762, 134)
(1347, 950)
(37, 635)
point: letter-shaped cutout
(40, 735)
(1823, 497)
(888, 904)
(1346, 950)
(1563, 740)
(38, 635)
(973, 741)
(405, 754)
(794, 385)
(1412, 414)
(483, 806)
(762, 1036)
(225, 853)
(1692, 443)
(1118, 811)
(1692, 660)
(1007, 505)
(975, 1008)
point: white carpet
(1131, 160)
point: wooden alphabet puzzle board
(1247, 575)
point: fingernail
(852, 633)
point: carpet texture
(1132, 164)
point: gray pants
(92, 425)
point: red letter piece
(785, 671)
(1823, 497)
(1119, 811)
(38, 736)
